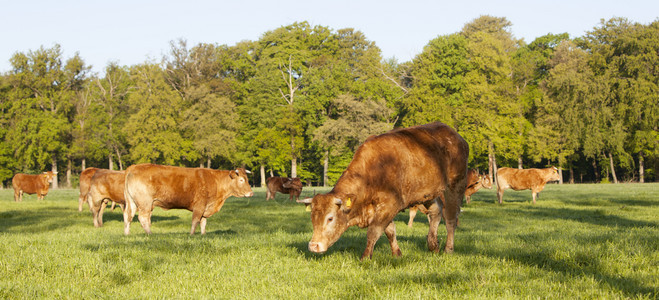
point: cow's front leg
(197, 216)
(390, 231)
(373, 233)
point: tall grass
(578, 241)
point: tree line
(299, 101)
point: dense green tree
(154, 122)
(350, 122)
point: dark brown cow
(105, 185)
(202, 191)
(524, 179)
(85, 179)
(476, 182)
(425, 164)
(32, 184)
(284, 185)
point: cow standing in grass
(105, 185)
(199, 190)
(284, 185)
(85, 180)
(524, 179)
(425, 164)
(32, 184)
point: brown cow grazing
(524, 179)
(202, 191)
(476, 182)
(284, 185)
(32, 184)
(85, 179)
(425, 164)
(106, 185)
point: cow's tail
(131, 208)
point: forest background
(300, 100)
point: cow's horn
(248, 172)
(305, 200)
(338, 201)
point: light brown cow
(524, 179)
(284, 185)
(425, 164)
(32, 184)
(85, 179)
(202, 191)
(105, 185)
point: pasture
(579, 241)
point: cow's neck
(362, 211)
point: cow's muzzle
(317, 247)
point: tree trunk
(54, 169)
(613, 171)
(68, 174)
(110, 162)
(641, 168)
(201, 164)
(208, 163)
(597, 173)
(262, 176)
(519, 162)
(84, 164)
(121, 164)
(490, 171)
(571, 175)
(293, 158)
(271, 174)
(325, 167)
(560, 174)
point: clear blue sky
(134, 31)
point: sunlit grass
(578, 241)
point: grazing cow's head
(329, 217)
(485, 181)
(49, 175)
(554, 176)
(239, 183)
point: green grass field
(578, 241)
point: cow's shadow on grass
(34, 221)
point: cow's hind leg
(450, 211)
(145, 219)
(434, 217)
(413, 210)
(390, 231)
(16, 195)
(202, 224)
(500, 195)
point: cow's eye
(330, 219)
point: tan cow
(524, 179)
(284, 185)
(199, 190)
(105, 185)
(85, 179)
(32, 184)
(425, 164)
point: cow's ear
(233, 173)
